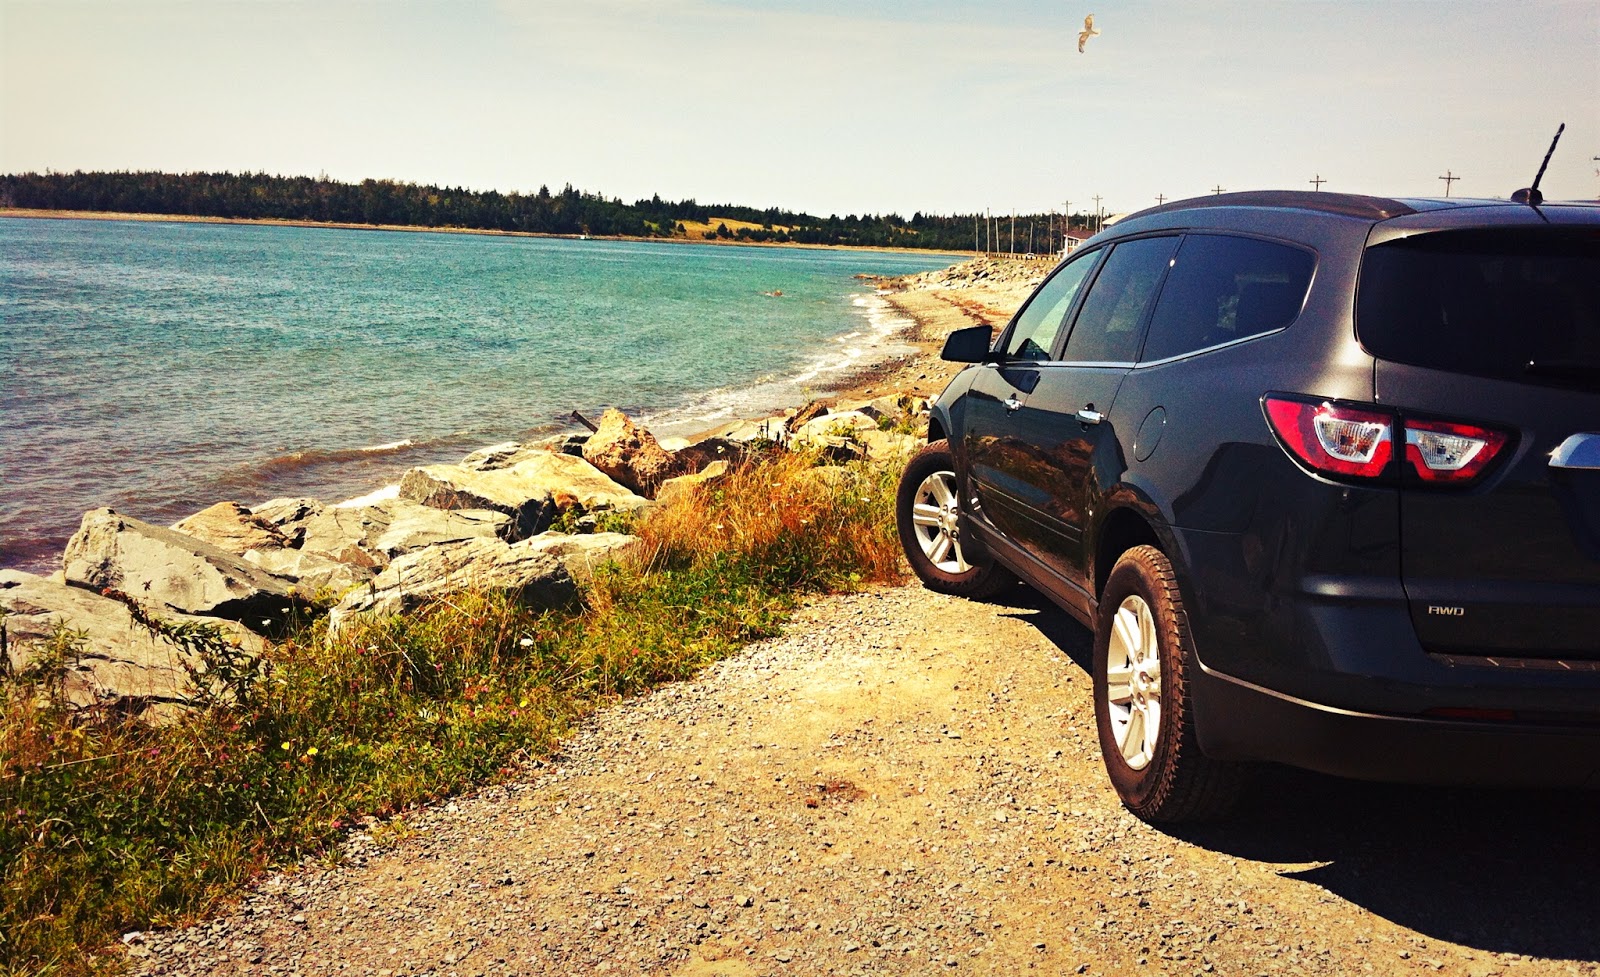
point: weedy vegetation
(109, 824)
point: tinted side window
(1039, 323)
(1513, 305)
(1107, 328)
(1226, 288)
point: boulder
(258, 541)
(234, 528)
(805, 415)
(119, 664)
(843, 424)
(168, 567)
(532, 492)
(580, 553)
(672, 488)
(766, 429)
(537, 578)
(888, 446)
(372, 535)
(288, 516)
(494, 456)
(628, 453)
(694, 457)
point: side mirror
(970, 345)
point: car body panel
(1301, 590)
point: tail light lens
(1334, 439)
(1357, 441)
(1444, 452)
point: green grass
(108, 825)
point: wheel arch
(1122, 530)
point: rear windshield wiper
(1563, 369)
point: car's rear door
(1479, 336)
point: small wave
(312, 457)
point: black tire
(1146, 720)
(931, 526)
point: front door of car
(996, 454)
(1068, 424)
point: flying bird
(1087, 32)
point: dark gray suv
(1322, 474)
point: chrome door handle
(1013, 404)
(1581, 451)
(1090, 416)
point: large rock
(537, 578)
(232, 527)
(288, 516)
(120, 664)
(509, 453)
(259, 541)
(684, 485)
(628, 453)
(168, 567)
(582, 552)
(692, 458)
(842, 424)
(373, 535)
(532, 492)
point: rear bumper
(1237, 720)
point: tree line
(570, 211)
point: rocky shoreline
(513, 517)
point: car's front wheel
(1142, 669)
(927, 509)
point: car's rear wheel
(927, 509)
(1142, 664)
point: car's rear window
(1512, 305)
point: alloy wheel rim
(1133, 682)
(935, 519)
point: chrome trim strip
(1580, 452)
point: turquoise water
(158, 368)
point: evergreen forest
(251, 196)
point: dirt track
(909, 784)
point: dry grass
(111, 825)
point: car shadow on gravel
(1505, 871)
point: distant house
(1075, 237)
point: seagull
(1087, 32)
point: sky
(823, 106)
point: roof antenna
(1531, 195)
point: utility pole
(1161, 198)
(974, 235)
(1099, 218)
(1448, 179)
(1013, 251)
(1217, 189)
(1318, 181)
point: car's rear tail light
(1357, 440)
(1443, 452)
(1332, 438)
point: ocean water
(161, 367)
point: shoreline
(29, 213)
(923, 307)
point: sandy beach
(983, 291)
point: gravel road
(907, 783)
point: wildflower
(312, 751)
(527, 642)
(287, 746)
